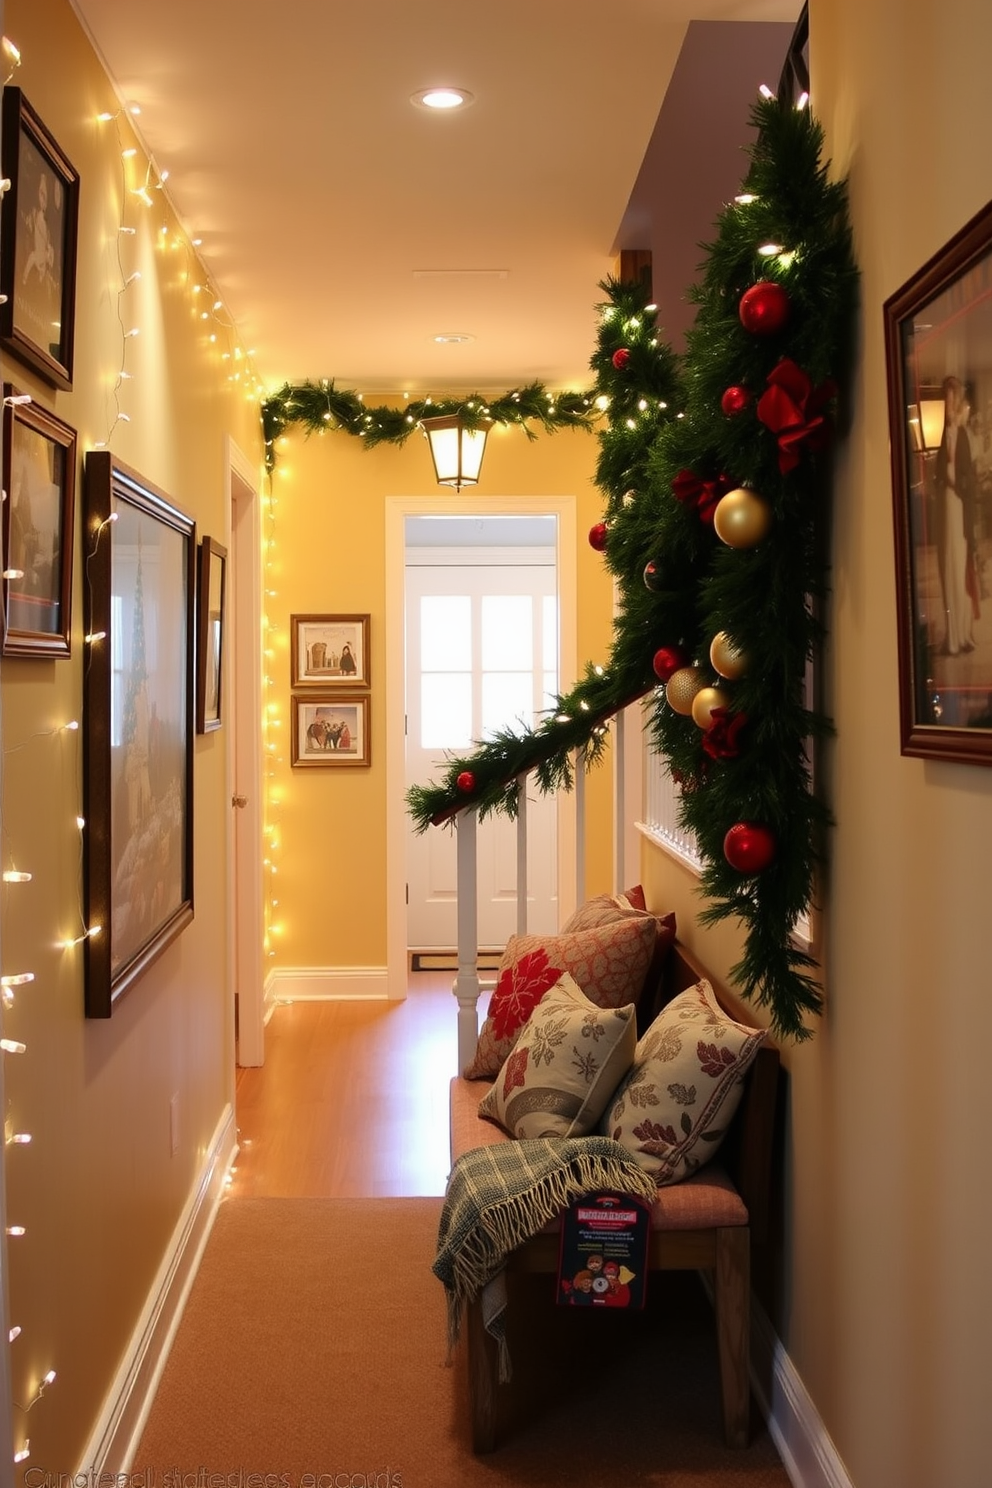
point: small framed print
(329, 651)
(210, 584)
(39, 478)
(331, 732)
(38, 228)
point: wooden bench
(708, 1223)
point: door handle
(240, 801)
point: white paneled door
(481, 655)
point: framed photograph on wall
(137, 726)
(38, 225)
(329, 651)
(39, 477)
(331, 732)
(938, 343)
(210, 584)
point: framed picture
(39, 477)
(37, 244)
(938, 343)
(137, 726)
(329, 650)
(331, 731)
(210, 581)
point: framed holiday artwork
(938, 342)
(331, 732)
(39, 478)
(211, 579)
(137, 727)
(329, 651)
(38, 225)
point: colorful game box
(604, 1252)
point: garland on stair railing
(714, 472)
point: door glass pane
(445, 710)
(549, 635)
(507, 700)
(507, 632)
(445, 632)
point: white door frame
(246, 915)
(397, 509)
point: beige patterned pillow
(609, 963)
(672, 1110)
(567, 1062)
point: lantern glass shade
(456, 449)
(932, 422)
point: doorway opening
(481, 656)
(480, 633)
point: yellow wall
(98, 1189)
(886, 1307)
(325, 541)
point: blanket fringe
(506, 1223)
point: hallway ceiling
(344, 228)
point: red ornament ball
(620, 358)
(735, 400)
(466, 782)
(667, 661)
(653, 578)
(764, 308)
(597, 536)
(749, 847)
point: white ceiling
(344, 228)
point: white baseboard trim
(807, 1452)
(118, 1429)
(326, 984)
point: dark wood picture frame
(39, 477)
(317, 738)
(211, 584)
(938, 346)
(137, 726)
(318, 644)
(38, 227)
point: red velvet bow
(722, 739)
(793, 409)
(704, 495)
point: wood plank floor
(352, 1100)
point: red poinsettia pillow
(609, 963)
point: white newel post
(580, 826)
(522, 855)
(466, 986)
(619, 802)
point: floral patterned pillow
(564, 1067)
(609, 964)
(672, 1110)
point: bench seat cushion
(705, 1201)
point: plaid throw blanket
(500, 1195)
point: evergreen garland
(675, 444)
(319, 406)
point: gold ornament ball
(725, 657)
(706, 699)
(682, 686)
(742, 518)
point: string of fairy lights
(142, 190)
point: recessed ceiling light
(453, 338)
(439, 99)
